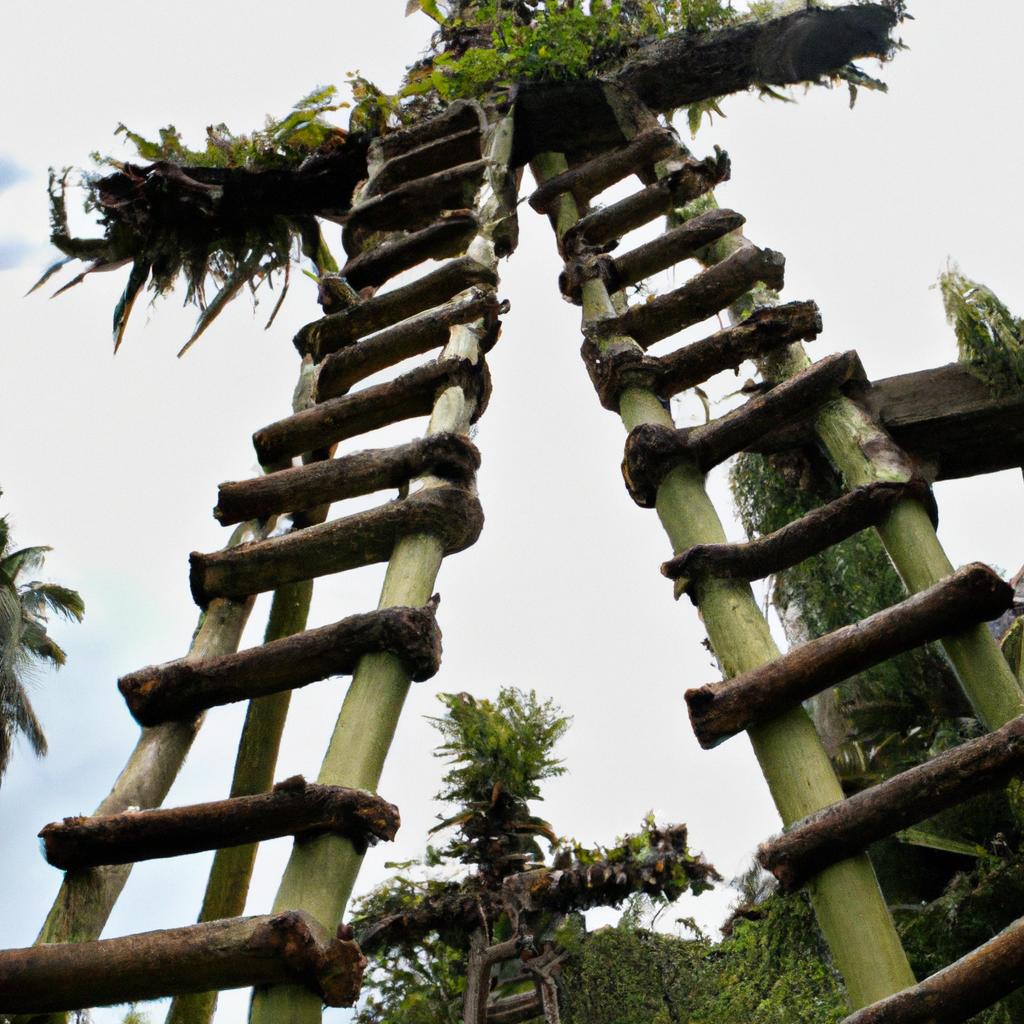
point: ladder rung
(851, 826)
(970, 596)
(292, 808)
(588, 179)
(766, 330)
(413, 205)
(448, 456)
(349, 365)
(813, 533)
(459, 116)
(459, 147)
(958, 992)
(332, 332)
(653, 450)
(447, 237)
(286, 948)
(610, 223)
(407, 396)
(702, 296)
(451, 514)
(184, 688)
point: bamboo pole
(321, 873)
(849, 904)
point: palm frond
(62, 601)
(25, 560)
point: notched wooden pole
(292, 808)
(972, 595)
(284, 948)
(846, 828)
(179, 689)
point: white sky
(115, 462)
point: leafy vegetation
(25, 644)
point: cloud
(14, 254)
(10, 174)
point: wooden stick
(287, 948)
(459, 116)
(708, 293)
(958, 992)
(451, 514)
(179, 689)
(339, 329)
(846, 828)
(614, 368)
(652, 450)
(447, 237)
(413, 205)
(460, 147)
(351, 364)
(410, 395)
(719, 710)
(292, 808)
(519, 1009)
(448, 456)
(677, 189)
(805, 537)
(591, 178)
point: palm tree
(24, 641)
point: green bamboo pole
(322, 872)
(849, 904)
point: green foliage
(990, 338)
(25, 608)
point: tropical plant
(25, 644)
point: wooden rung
(653, 450)
(287, 948)
(410, 395)
(292, 808)
(851, 826)
(588, 179)
(622, 366)
(958, 992)
(460, 147)
(448, 456)
(339, 329)
(972, 595)
(451, 514)
(413, 205)
(815, 532)
(184, 688)
(610, 223)
(457, 117)
(449, 236)
(702, 296)
(351, 364)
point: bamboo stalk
(321, 873)
(850, 907)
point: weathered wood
(457, 117)
(846, 828)
(448, 456)
(349, 365)
(972, 595)
(178, 689)
(610, 223)
(407, 396)
(589, 179)
(702, 296)
(652, 450)
(801, 539)
(413, 205)
(451, 514)
(339, 329)
(614, 368)
(292, 808)
(958, 992)
(460, 147)
(287, 948)
(448, 236)
(520, 1009)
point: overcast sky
(115, 462)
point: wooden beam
(460, 147)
